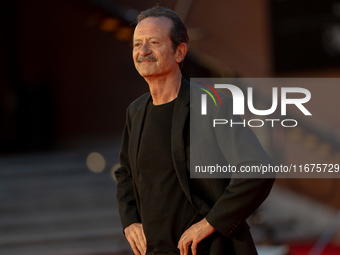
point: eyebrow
(152, 37)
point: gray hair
(178, 32)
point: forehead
(153, 27)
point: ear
(180, 53)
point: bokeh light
(95, 162)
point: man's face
(152, 47)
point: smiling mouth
(146, 59)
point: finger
(194, 248)
(133, 246)
(135, 251)
(140, 243)
(181, 245)
(144, 238)
(186, 249)
(184, 245)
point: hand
(194, 235)
(134, 233)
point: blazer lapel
(136, 133)
(180, 115)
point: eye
(136, 45)
(154, 42)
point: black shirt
(165, 210)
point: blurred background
(67, 77)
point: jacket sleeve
(238, 202)
(240, 199)
(127, 205)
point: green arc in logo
(209, 95)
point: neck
(164, 89)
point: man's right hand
(135, 235)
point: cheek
(134, 55)
(134, 58)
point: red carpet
(304, 250)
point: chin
(146, 73)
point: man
(162, 210)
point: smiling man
(162, 210)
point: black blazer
(226, 206)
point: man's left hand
(194, 235)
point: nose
(145, 50)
